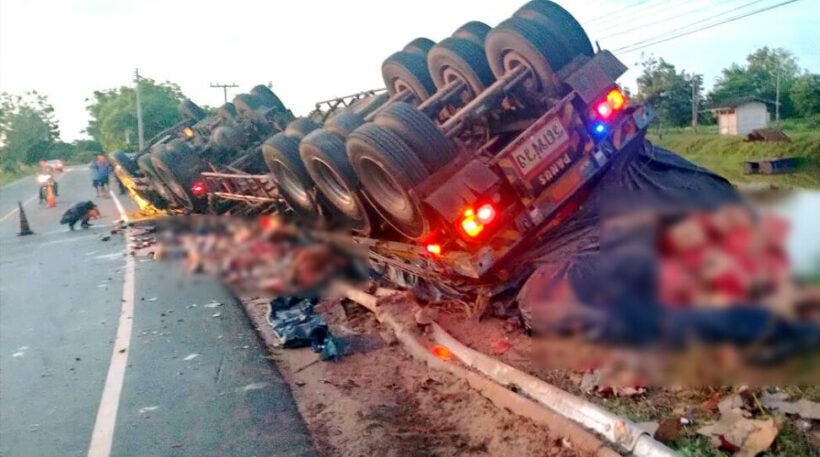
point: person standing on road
(100, 175)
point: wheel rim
(513, 59)
(449, 75)
(400, 85)
(335, 188)
(387, 191)
(290, 184)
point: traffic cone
(50, 200)
(24, 228)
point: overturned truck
(481, 145)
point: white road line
(14, 211)
(102, 439)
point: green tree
(668, 90)
(113, 113)
(805, 95)
(28, 130)
(759, 78)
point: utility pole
(694, 102)
(777, 98)
(224, 88)
(139, 111)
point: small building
(739, 116)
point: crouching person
(81, 212)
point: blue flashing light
(599, 128)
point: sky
(312, 50)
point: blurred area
(695, 298)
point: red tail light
(486, 213)
(604, 110)
(615, 101)
(434, 249)
(470, 224)
(473, 222)
(198, 189)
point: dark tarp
(597, 272)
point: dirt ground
(378, 400)
(565, 363)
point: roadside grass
(7, 176)
(725, 154)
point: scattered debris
(736, 431)
(190, 357)
(296, 325)
(254, 386)
(669, 430)
(212, 304)
(148, 409)
(153, 299)
(804, 408)
(216, 314)
(774, 135)
(501, 346)
(425, 315)
(741, 436)
(106, 238)
(772, 166)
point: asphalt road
(195, 379)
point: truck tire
(325, 159)
(191, 110)
(126, 162)
(299, 128)
(227, 112)
(388, 169)
(247, 105)
(180, 167)
(343, 124)
(268, 98)
(474, 31)
(161, 197)
(460, 59)
(367, 105)
(281, 155)
(560, 23)
(420, 46)
(225, 139)
(408, 71)
(518, 41)
(420, 133)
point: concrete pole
(695, 102)
(140, 133)
(777, 99)
(224, 88)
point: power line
(662, 38)
(620, 11)
(673, 17)
(688, 27)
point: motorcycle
(48, 188)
